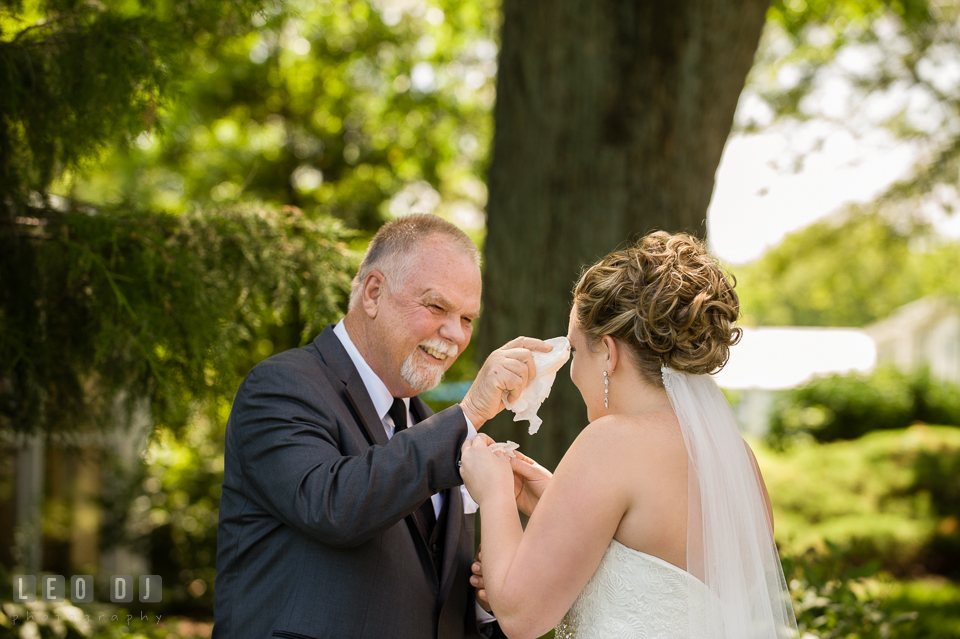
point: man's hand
(508, 369)
(529, 481)
(477, 582)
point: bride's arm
(532, 578)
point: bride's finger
(479, 442)
(486, 438)
(524, 469)
(524, 458)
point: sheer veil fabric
(730, 545)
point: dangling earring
(606, 390)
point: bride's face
(586, 369)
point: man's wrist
(472, 416)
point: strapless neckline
(653, 558)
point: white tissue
(538, 389)
(506, 448)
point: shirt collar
(379, 393)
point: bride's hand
(484, 472)
(529, 481)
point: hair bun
(668, 299)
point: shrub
(833, 600)
(891, 495)
(849, 406)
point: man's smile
(433, 354)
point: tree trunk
(611, 117)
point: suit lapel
(357, 394)
(338, 361)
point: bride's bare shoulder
(652, 434)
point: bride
(656, 522)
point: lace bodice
(633, 594)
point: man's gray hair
(391, 250)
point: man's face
(424, 323)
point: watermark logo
(53, 588)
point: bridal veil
(730, 545)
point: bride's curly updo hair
(667, 299)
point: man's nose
(452, 331)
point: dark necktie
(424, 516)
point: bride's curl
(667, 299)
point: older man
(342, 513)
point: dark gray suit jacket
(314, 539)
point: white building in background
(922, 333)
(769, 360)
(772, 359)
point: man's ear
(372, 293)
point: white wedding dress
(633, 594)
(734, 586)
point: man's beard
(423, 375)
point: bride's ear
(612, 348)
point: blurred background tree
(851, 269)
(362, 111)
(338, 109)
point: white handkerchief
(538, 389)
(506, 448)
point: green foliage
(79, 75)
(848, 270)
(832, 600)
(816, 278)
(358, 109)
(173, 309)
(936, 602)
(849, 406)
(179, 510)
(116, 118)
(891, 496)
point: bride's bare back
(651, 466)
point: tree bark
(611, 117)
